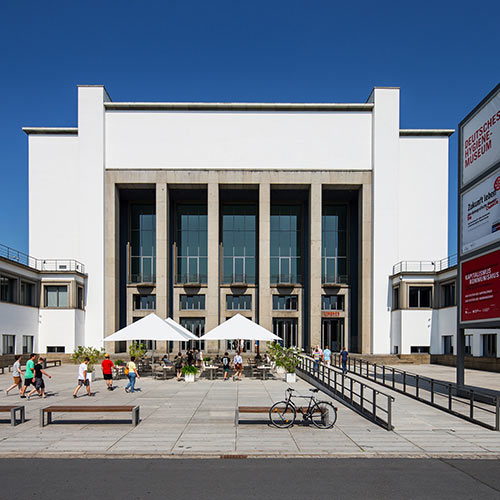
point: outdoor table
(212, 371)
(264, 370)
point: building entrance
(286, 328)
(332, 333)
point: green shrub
(189, 370)
(119, 362)
(137, 350)
(288, 358)
(95, 356)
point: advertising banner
(480, 140)
(481, 214)
(481, 288)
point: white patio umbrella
(239, 328)
(150, 327)
(181, 329)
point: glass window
(8, 344)
(238, 243)
(56, 296)
(144, 302)
(197, 327)
(192, 302)
(286, 248)
(334, 244)
(286, 328)
(56, 348)
(489, 341)
(143, 243)
(447, 344)
(7, 289)
(285, 302)
(27, 294)
(28, 345)
(238, 302)
(420, 296)
(121, 346)
(468, 345)
(332, 302)
(79, 299)
(420, 349)
(395, 298)
(191, 242)
(449, 295)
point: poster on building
(481, 214)
(480, 139)
(481, 288)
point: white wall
(285, 140)
(423, 198)
(57, 328)
(415, 329)
(18, 320)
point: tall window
(143, 244)
(191, 244)
(144, 302)
(56, 296)
(238, 243)
(332, 302)
(420, 296)
(334, 244)
(468, 345)
(449, 295)
(286, 251)
(447, 344)
(192, 302)
(28, 346)
(7, 289)
(79, 297)
(27, 294)
(286, 328)
(8, 344)
(197, 327)
(238, 302)
(489, 345)
(285, 302)
(395, 298)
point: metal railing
(362, 398)
(41, 264)
(478, 407)
(430, 266)
(191, 279)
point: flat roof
(51, 130)
(426, 132)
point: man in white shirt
(238, 365)
(83, 378)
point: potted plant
(138, 350)
(275, 351)
(286, 360)
(189, 372)
(95, 356)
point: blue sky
(444, 56)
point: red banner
(481, 288)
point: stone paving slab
(181, 419)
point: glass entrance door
(286, 328)
(332, 333)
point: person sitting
(165, 359)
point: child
(83, 378)
(39, 383)
(225, 365)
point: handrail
(475, 406)
(360, 397)
(41, 264)
(429, 266)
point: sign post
(478, 282)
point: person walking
(327, 356)
(39, 383)
(178, 362)
(238, 365)
(29, 374)
(83, 378)
(16, 374)
(107, 367)
(344, 355)
(226, 362)
(132, 375)
(189, 356)
(199, 359)
(316, 354)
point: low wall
(472, 362)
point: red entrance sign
(331, 313)
(481, 288)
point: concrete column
(315, 212)
(161, 255)
(112, 262)
(212, 299)
(365, 274)
(265, 314)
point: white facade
(67, 170)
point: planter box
(291, 378)
(189, 377)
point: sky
(444, 55)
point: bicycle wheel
(282, 414)
(323, 415)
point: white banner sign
(480, 145)
(481, 214)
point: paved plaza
(197, 420)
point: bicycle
(321, 413)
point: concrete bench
(87, 409)
(13, 409)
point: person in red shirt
(107, 371)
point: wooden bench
(53, 362)
(259, 409)
(13, 409)
(87, 409)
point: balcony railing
(286, 279)
(191, 279)
(423, 266)
(334, 279)
(62, 265)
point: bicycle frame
(305, 414)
